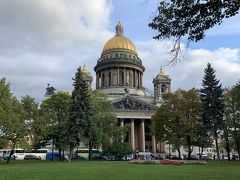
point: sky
(45, 42)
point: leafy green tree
(227, 121)
(176, 19)
(115, 145)
(56, 109)
(36, 127)
(12, 122)
(189, 114)
(212, 104)
(79, 123)
(235, 117)
(3, 142)
(104, 121)
(176, 121)
(118, 149)
(166, 123)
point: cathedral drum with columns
(119, 75)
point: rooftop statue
(50, 90)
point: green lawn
(116, 170)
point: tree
(189, 113)
(176, 19)
(12, 122)
(176, 121)
(114, 146)
(56, 109)
(227, 121)
(235, 99)
(104, 121)
(166, 123)
(212, 104)
(118, 149)
(36, 127)
(79, 123)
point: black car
(31, 157)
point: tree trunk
(199, 152)
(179, 153)
(216, 143)
(12, 151)
(70, 154)
(227, 142)
(90, 151)
(238, 149)
(189, 147)
(10, 155)
(60, 154)
(227, 148)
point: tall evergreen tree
(212, 104)
(79, 122)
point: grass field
(116, 170)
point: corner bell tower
(87, 75)
(162, 85)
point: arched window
(121, 78)
(163, 88)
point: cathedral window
(121, 78)
(163, 88)
(103, 80)
(109, 79)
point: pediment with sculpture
(132, 104)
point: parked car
(78, 158)
(55, 156)
(31, 157)
(128, 157)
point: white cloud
(45, 41)
(189, 71)
(51, 25)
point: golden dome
(85, 69)
(162, 73)
(119, 41)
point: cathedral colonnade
(139, 136)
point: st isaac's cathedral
(119, 75)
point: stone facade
(119, 74)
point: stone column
(142, 136)
(153, 144)
(122, 125)
(118, 76)
(139, 80)
(132, 135)
(112, 77)
(124, 76)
